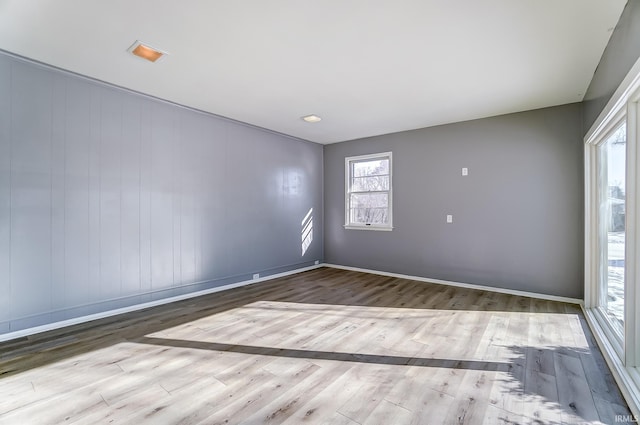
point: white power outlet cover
(256, 275)
(465, 171)
(449, 218)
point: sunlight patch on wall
(307, 231)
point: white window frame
(623, 356)
(599, 272)
(347, 192)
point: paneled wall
(109, 198)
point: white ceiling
(367, 67)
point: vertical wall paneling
(240, 173)
(78, 138)
(197, 164)
(110, 193)
(58, 220)
(94, 228)
(261, 218)
(5, 192)
(213, 199)
(267, 193)
(130, 211)
(110, 198)
(176, 191)
(189, 135)
(145, 145)
(31, 139)
(162, 186)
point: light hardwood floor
(325, 346)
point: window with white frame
(612, 233)
(611, 189)
(368, 192)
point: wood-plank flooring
(324, 347)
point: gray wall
(518, 216)
(620, 55)
(109, 198)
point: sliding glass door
(612, 233)
(612, 228)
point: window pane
(364, 184)
(369, 215)
(371, 168)
(369, 200)
(370, 208)
(612, 287)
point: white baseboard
(628, 383)
(82, 319)
(461, 285)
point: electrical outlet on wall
(465, 171)
(256, 275)
(449, 218)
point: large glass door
(612, 228)
(612, 233)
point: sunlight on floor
(332, 362)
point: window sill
(378, 228)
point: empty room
(342, 212)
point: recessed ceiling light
(312, 118)
(147, 52)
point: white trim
(590, 227)
(595, 212)
(615, 340)
(460, 284)
(82, 319)
(363, 158)
(631, 272)
(617, 102)
(626, 378)
(605, 130)
(370, 227)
